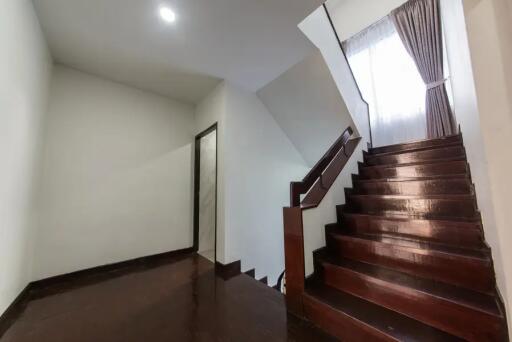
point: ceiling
(248, 42)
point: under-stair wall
(257, 161)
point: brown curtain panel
(418, 23)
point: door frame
(197, 166)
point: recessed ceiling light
(167, 14)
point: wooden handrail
(315, 185)
(299, 188)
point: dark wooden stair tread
(409, 217)
(415, 244)
(407, 259)
(461, 177)
(417, 163)
(412, 170)
(438, 153)
(418, 197)
(443, 141)
(403, 215)
(454, 205)
(409, 179)
(465, 297)
(430, 235)
(390, 323)
(415, 149)
(414, 187)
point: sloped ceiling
(308, 106)
(247, 42)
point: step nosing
(413, 159)
(450, 145)
(455, 138)
(417, 197)
(394, 324)
(409, 216)
(414, 164)
(456, 178)
(414, 178)
(472, 306)
(419, 249)
(352, 315)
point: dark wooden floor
(182, 300)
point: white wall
(117, 175)
(25, 69)
(260, 163)
(353, 16)
(256, 164)
(308, 107)
(319, 31)
(468, 116)
(489, 29)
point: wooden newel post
(294, 259)
(315, 185)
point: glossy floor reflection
(182, 300)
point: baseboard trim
(228, 271)
(48, 286)
(14, 310)
(82, 277)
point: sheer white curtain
(389, 82)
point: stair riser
(462, 234)
(471, 273)
(341, 325)
(454, 318)
(461, 208)
(422, 170)
(455, 152)
(421, 144)
(416, 188)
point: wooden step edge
(443, 140)
(454, 176)
(424, 215)
(446, 178)
(427, 215)
(440, 161)
(407, 179)
(453, 254)
(443, 197)
(406, 218)
(415, 149)
(346, 209)
(483, 249)
(477, 325)
(350, 318)
(399, 283)
(362, 191)
(476, 246)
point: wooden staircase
(406, 259)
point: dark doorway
(205, 193)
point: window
(389, 82)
